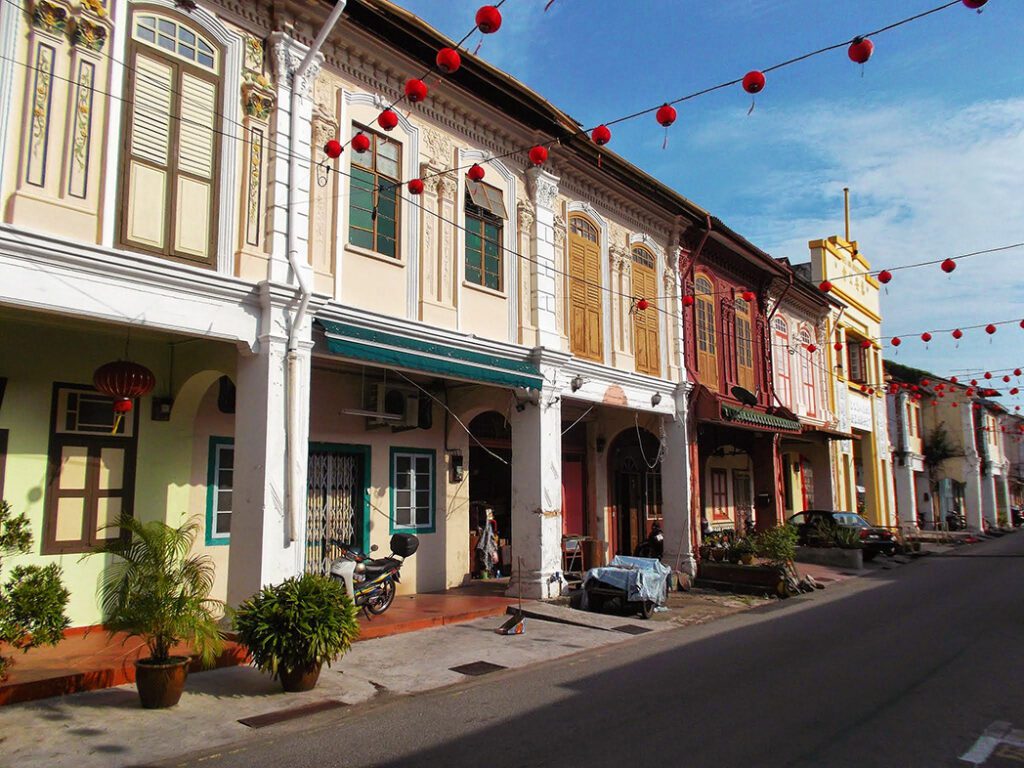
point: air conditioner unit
(396, 406)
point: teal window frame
(397, 453)
(214, 539)
(374, 199)
(484, 246)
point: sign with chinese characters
(860, 412)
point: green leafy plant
(33, 599)
(845, 537)
(744, 546)
(821, 533)
(156, 589)
(298, 623)
(777, 545)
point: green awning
(758, 419)
(355, 342)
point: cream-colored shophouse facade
(320, 363)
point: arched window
(805, 391)
(780, 358)
(169, 182)
(374, 180)
(645, 322)
(585, 313)
(707, 342)
(744, 346)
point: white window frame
(415, 457)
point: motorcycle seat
(376, 567)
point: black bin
(404, 544)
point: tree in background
(33, 599)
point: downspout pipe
(305, 288)
(689, 271)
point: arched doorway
(490, 487)
(634, 468)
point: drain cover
(631, 629)
(281, 715)
(477, 668)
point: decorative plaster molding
(287, 54)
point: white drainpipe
(305, 290)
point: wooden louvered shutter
(577, 295)
(594, 348)
(196, 163)
(148, 172)
(645, 322)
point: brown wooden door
(585, 315)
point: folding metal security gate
(334, 504)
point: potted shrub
(292, 628)
(745, 549)
(846, 538)
(156, 589)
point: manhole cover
(281, 715)
(477, 668)
(631, 629)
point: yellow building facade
(862, 475)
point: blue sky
(930, 139)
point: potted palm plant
(156, 589)
(291, 629)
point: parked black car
(874, 540)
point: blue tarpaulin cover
(641, 578)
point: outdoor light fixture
(600, 443)
(656, 398)
(576, 383)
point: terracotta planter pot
(298, 680)
(747, 559)
(160, 685)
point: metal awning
(749, 416)
(833, 434)
(361, 344)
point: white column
(544, 194)
(972, 494)
(675, 490)
(1004, 492)
(537, 496)
(287, 54)
(906, 493)
(266, 547)
(988, 498)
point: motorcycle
(955, 521)
(654, 546)
(371, 582)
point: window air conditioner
(396, 406)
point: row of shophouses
(574, 346)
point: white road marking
(986, 744)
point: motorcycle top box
(404, 544)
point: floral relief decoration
(82, 115)
(89, 35)
(253, 54)
(257, 96)
(97, 7)
(50, 18)
(44, 69)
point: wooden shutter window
(780, 353)
(585, 295)
(707, 342)
(169, 185)
(646, 322)
(744, 346)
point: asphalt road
(907, 667)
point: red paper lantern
(333, 148)
(925, 383)
(387, 119)
(948, 266)
(958, 334)
(687, 301)
(864, 388)
(990, 329)
(538, 155)
(884, 276)
(753, 81)
(954, 405)
(475, 172)
(974, 4)
(601, 135)
(1022, 323)
(448, 60)
(642, 304)
(1014, 391)
(974, 382)
(1006, 379)
(415, 186)
(866, 344)
(748, 296)
(860, 50)
(123, 380)
(988, 375)
(811, 348)
(415, 90)
(838, 346)
(488, 19)
(360, 142)
(926, 337)
(896, 341)
(666, 115)
(825, 286)
(953, 379)
(1016, 371)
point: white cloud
(921, 189)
